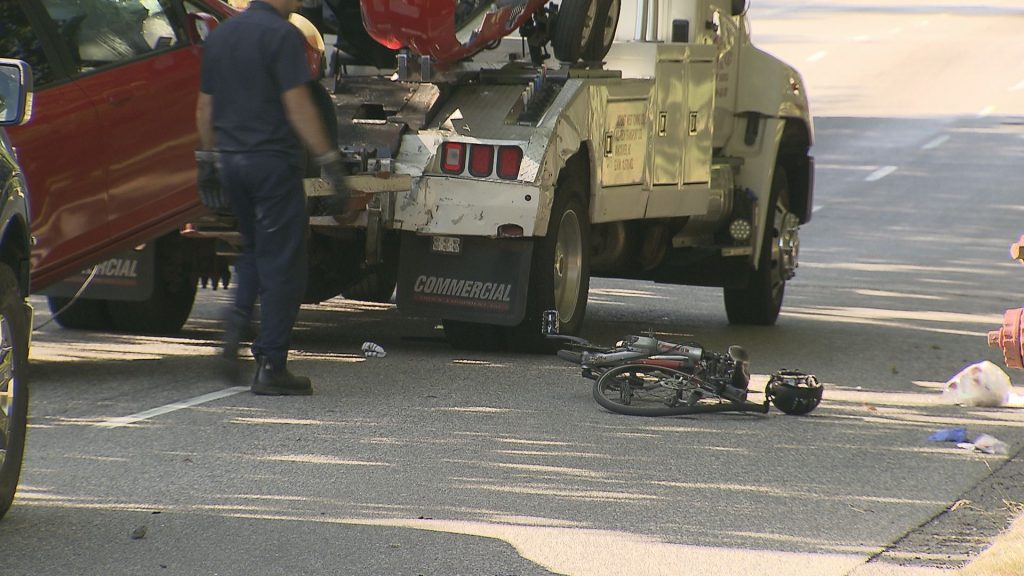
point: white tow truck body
(686, 154)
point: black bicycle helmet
(793, 392)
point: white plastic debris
(987, 444)
(990, 445)
(980, 384)
(373, 350)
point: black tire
(377, 283)
(82, 314)
(559, 272)
(355, 40)
(606, 23)
(760, 302)
(643, 390)
(174, 291)
(375, 286)
(14, 340)
(639, 390)
(574, 29)
(329, 118)
(473, 336)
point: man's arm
(305, 120)
(204, 121)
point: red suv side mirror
(200, 24)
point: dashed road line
(986, 111)
(817, 56)
(1017, 86)
(935, 142)
(880, 173)
(172, 407)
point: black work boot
(235, 324)
(273, 381)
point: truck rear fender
(568, 153)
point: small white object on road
(373, 350)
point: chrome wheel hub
(789, 243)
(7, 384)
(568, 264)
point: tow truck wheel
(377, 283)
(82, 314)
(606, 22)
(353, 38)
(560, 272)
(473, 336)
(577, 24)
(13, 385)
(174, 291)
(760, 301)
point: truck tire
(606, 23)
(174, 291)
(575, 28)
(13, 385)
(378, 282)
(760, 301)
(559, 273)
(82, 314)
(353, 38)
(474, 337)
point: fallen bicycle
(644, 376)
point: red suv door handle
(118, 97)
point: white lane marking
(986, 111)
(817, 56)
(935, 142)
(862, 38)
(816, 208)
(146, 414)
(880, 173)
(1017, 86)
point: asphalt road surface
(434, 462)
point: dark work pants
(267, 198)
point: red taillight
(481, 160)
(453, 157)
(510, 158)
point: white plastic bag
(980, 384)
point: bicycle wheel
(642, 390)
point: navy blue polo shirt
(249, 61)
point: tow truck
(659, 143)
(655, 143)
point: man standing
(254, 113)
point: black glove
(211, 193)
(332, 171)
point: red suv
(108, 156)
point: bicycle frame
(644, 376)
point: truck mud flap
(485, 282)
(126, 276)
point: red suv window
(103, 32)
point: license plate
(446, 244)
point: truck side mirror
(15, 92)
(739, 7)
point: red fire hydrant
(1010, 335)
